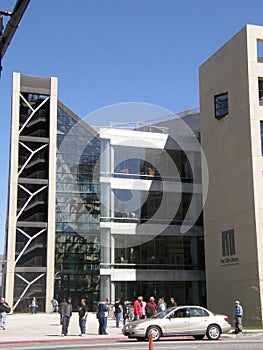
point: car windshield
(162, 314)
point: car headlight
(130, 326)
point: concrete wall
(233, 152)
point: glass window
(77, 211)
(261, 136)
(228, 243)
(183, 312)
(166, 252)
(184, 290)
(198, 312)
(221, 105)
(260, 50)
(260, 91)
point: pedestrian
(137, 308)
(125, 312)
(4, 309)
(102, 315)
(117, 311)
(151, 308)
(238, 314)
(83, 314)
(172, 302)
(54, 304)
(61, 305)
(65, 310)
(161, 305)
(143, 309)
(33, 305)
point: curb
(61, 340)
(102, 338)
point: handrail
(152, 266)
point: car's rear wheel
(141, 339)
(199, 336)
(213, 332)
(155, 331)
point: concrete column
(194, 250)
(105, 291)
(195, 293)
(105, 169)
(105, 288)
(51, 230)
(13, 184)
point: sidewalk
(22, 328)
(40, 328)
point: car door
(198, 321)
(177, 323)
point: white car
(180, 320)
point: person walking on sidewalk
(151, 308)
(172, 302)
(117, 311)
(65, 309)
(137, 308)
(125, 312)
(238, 314)
(33, 306)
(4, 309)
(54, 304)
(83, 314)
(103, 311)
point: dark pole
(15, 17)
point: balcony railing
(152, 266)
(136, 220)
(150, 176)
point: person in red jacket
(137, 308)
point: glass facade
(134, 161)
(111, 228)
(77, 249)
(148, 194)
(160, 256)
(112, 225)
(151, 202)
(164, 252)
(184, 292)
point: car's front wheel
(155, 331)
(213, 332)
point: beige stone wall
(233, 152)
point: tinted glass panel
(221, 105)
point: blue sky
(113, 51)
